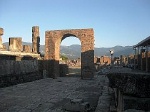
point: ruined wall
(52, 50)
(14, 72)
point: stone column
(1, 33)
(35, 39)
(146, 56)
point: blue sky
(115, 22)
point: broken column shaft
(35, 39)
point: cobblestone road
(49, 95)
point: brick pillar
(15, 44)
(87, 59)
(147, 64)
(1, 33)
(35, 39)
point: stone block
(15, 44)
(27, 48)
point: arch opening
(70, 54)
(53, 40)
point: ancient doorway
(70, 54)
(52, 50)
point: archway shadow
(74, 72)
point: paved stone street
(50, 95)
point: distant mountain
(118, 50)
(74, 51)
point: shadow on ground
(74, 72)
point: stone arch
(52, 48)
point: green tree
(64, 57)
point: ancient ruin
(20, 55)
(120, 84)
(52, 49)
(17, 49)
(16, 65)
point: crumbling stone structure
(17, 51)
(19, 64)
(15, 44)
(52, 50)
(35, 39)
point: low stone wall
(63, 70)
(131, 88)
(134, 84)
(14, 72)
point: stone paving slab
(49, 95)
